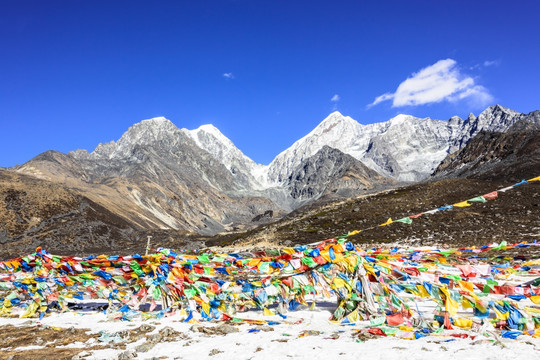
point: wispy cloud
(439, 82)
(229, 76)
(335, 99)
(491, 63)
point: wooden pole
(148, 245)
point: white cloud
(491, 63)
(228, 76)
(441, 81)
(335, 98)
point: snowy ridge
(209, 138)
(345, 134)
(145, 132)
(337, 131)
(405, 147)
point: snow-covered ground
(304, 334)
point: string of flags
(465, 203)
(377, 290)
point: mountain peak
(335, 120)
(158, 122)
(335, 113)
(245, 170)
(153, 125)
(158, 119)
(498, 109)
(401, 118)
(144, 132)
(336, 116)
(209, 128)
(214, 131)
(208, 137)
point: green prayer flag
(156, 293)
(389, 331)
(502, 244)
(478, 199)
(405, 220)
(264, 266)
(306, 260)
(136, 268)
(396, 301)
(120, 279)
(378, 321)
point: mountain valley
(195, 187)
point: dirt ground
(53, 339)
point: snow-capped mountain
(336, 131)
(159, 176)
(405, 147)
(246, 171)
(146, 132)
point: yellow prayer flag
(206, 307)
(353, 316)
(462, 204)
(338, 283)
(326, 256)
(465, 285)
(406, 328)
(450, 304)
(536, 299)
(500, 315)
(535, 179)
(267, 312)
(254, 262)
(288, 250)
(388, 222)
(30, 310)
(422, 290)
(463, 323)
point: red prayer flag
(491, 196)
(376, 331)
(394, 319)
(447, 323)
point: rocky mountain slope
(155, 176)
(494, 155)
(36, 212)
(512, 217)
(331, 173)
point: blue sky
(77, 73)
